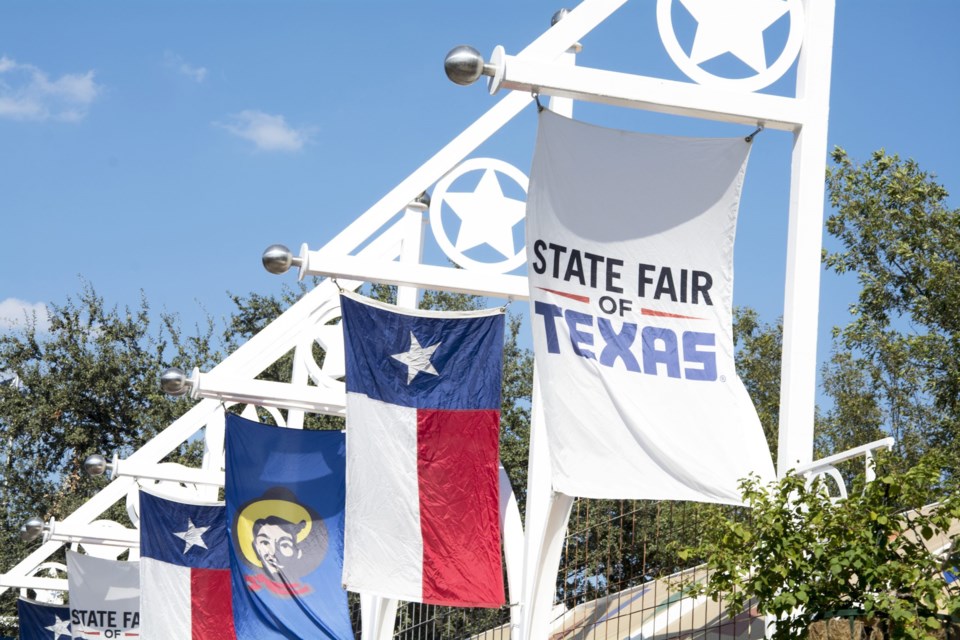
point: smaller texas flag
(423, 419)
(43, 621)
(184, 570)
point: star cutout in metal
(60, 628)
(734, 27)
(486, 216)
(193, 536)
(417, 358)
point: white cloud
(28, 93)
(176, 62)
(268, 132)
(16, 313)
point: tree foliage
(758, 356)
(801, 554)
(88, 384)
(896, 368)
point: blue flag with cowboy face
(285, 497)
(39, 620)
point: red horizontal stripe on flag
(211, 605)
(457, 453)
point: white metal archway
(385, 244)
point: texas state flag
(423, 419)
(184, 571)
(41, 621)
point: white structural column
(377, 617)
(213, 441)
(804, 242)
(513, 548)
(546, 525)
(411, 248)
(298, 378)
(547, 511)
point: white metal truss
(385, 244)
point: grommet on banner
(750, 137)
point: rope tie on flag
(750, 137)
(336, 284)
(536, 97)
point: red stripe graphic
(664, 314)
(210, 605)
(460, 507)
(572, 296)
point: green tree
(759, 347)
(896, 369)
(803, 555)
(88, 384)
(856, 416)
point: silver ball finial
(31, 529)
(558, 16)
(95, 465)
(173, 381)
(463, 65)
(277, 259)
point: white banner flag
(630, 260)
(104, 597)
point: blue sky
(163, 145)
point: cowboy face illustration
(280, 541)
(275, 544)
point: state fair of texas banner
(630, 261)
(104, 597)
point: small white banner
(104, 597)
(630, 261)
